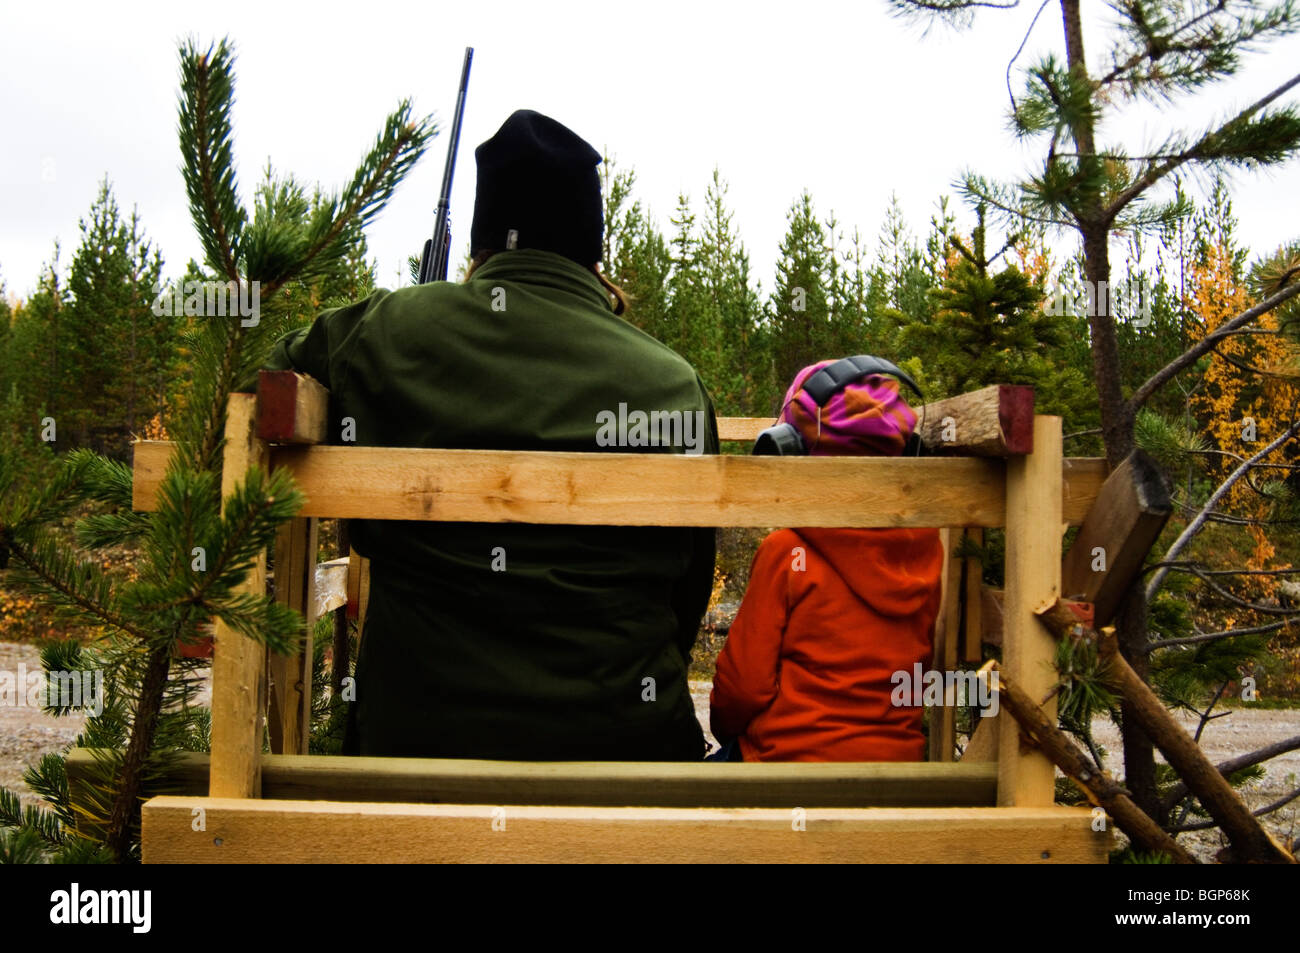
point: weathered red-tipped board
(995, 421)
(291, 408)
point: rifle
(433, 261)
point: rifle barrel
(434, 260)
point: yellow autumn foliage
(1242, 411)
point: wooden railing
(263, 807)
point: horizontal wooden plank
(303, 832)
(1081, 480)
(641, 489)
(602, 784)
(742, 428)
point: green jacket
(548, 656)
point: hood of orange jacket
(891, 570)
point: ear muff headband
(784, 440)
(833, 378)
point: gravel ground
(27, 733)
(1243, 731)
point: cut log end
(291, 408)
(1016, 417)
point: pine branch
(1233, 572)
(1210, 44)
(80, 588)
(1207, 344)
(1242, 365)
(1242, 603)
(397, 148)
(1216, 145)
(110, 482)
(1266, 809)
(1195, 526)
(978, 190)
(207, 94)
(1246, 521)
(1226, 768)
(1210, 451)
(43, 823)
(253, 513)
(953, 12)
(1020, 49)
(1215, 636)
(101, 530)
(52, 500)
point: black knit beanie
(538, 179)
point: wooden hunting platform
(1003, 469)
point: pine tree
(33, 369)
(738, 375)
(860, 334)
(636, 257)
(6, 320)
(615, 191)
(692, 322)
(642, 271)
(901, 282)
(907, 274)
(1159, 50)
(114, 349)
(799, 309)
(148, 713)
(991, 328)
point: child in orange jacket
(831, 614)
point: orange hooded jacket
(828, 617)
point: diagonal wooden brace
(1099, 787)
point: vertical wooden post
(943, 718)
(358, 589)
(972, 647)
(238, 662)
(1033, 578)
(342, 646)
(295, 586)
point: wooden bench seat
(602, 783)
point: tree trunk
(1139, 751)
(127, 802)
(1116, 418)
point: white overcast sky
(838, 98)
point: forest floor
(28, 733)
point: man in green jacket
(513, 641)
